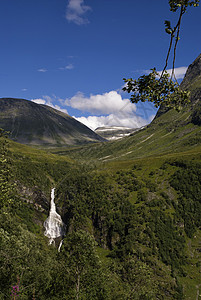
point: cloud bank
(76, 11)
(120, 120)
(108, 109)
(106, 103)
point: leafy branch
(163, 88)
(156, 89)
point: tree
(20, 254)
(81, 272)
(163, 88)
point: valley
(131, 208)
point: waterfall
(59, 248)
(54, 226)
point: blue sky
(72, 55)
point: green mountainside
(132, 209)
(36, 124)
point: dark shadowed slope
(34, 124)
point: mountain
(35, 124)
(192, 78)
(192, 82)
(115, 132)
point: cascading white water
(60, 244)
(54, 226)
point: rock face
(192, 82)
(193, 73)
(35, 124)
(34, 196)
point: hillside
(35, 124)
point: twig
(176, 28)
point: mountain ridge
(37, 124)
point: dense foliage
(7, 192)
(187, 180)
(157, 89)
(196, 116)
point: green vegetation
(7, 197)
(130, 227)
(170, 133)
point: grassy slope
(170, 133)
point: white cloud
(107, 103)
(23, 90)
(68, 67)
(76, 11)
(59, 108)
(42, 70)
(48, 101)
(130, 121)
(108, 109)
(39, 101)
(179, 72)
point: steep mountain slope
(193, 75)
(34, 124)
